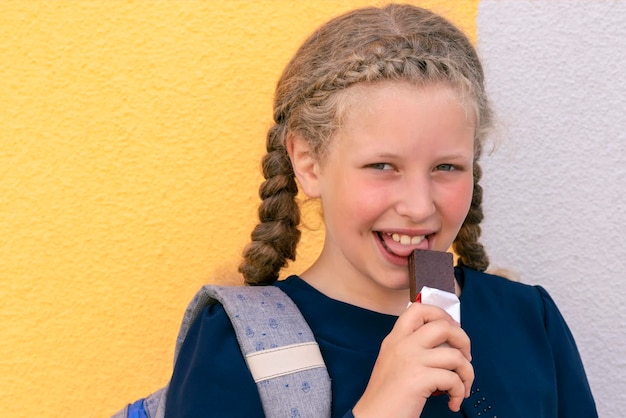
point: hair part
(393, 43)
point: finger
(451, 359)
(467, 379)
(462, 367)
(448, 358)
(419, 314)
(450, 382)
(442, 332)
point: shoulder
(475, 277)
(486, 294)
(492, 294)
(478, 283)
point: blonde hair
(395, 42)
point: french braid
(397, 42)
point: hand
(426, 351)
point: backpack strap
(277, 344)
(279, 348)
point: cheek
(363, 198)
(458, 202)
(347, 197)
(363, 201)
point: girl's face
(397, 177)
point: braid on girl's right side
(275, 238)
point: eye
(445, 167)
(380, 166)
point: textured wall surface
(555, 202)
(130, 140)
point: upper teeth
(407, 239)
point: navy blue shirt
(524, 356)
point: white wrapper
(447, 301)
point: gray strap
(266, 319)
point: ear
(305, 166)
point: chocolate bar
(433, 269)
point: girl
(382, 115)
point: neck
(368, 296)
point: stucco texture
(131, 135)
(555, 207)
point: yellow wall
(131, 134)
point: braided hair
(396, 42)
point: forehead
(403, 120)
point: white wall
(555, 194)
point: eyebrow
(457, 155)
(387, 155)
(444, 156)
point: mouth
(402, 245)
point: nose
(416, 199)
